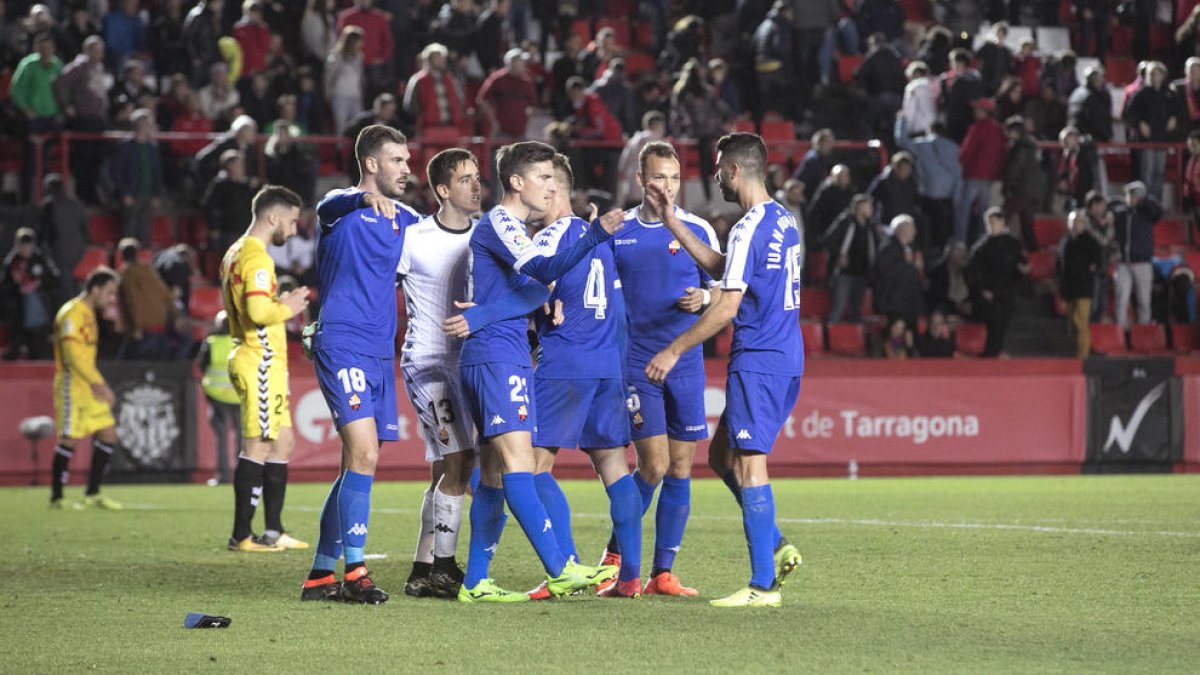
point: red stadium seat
(93, 257)
(847, 339)
(814, 338)
(1049, 230)
(970, 338)
(162, 232)
(1169, 233)
(1185, 338)
(1120, 71)
(104, 229)
(778, 130)
(814, 303)
(1108, 338)
(620, 31)
(744, 126)
(205, 303)
(1148, 339)
(637, 63)
(846, 66)
(1041, 265)
(583, 29)
(1192, 260)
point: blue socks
(731, 482)
(329, 543)
(646, 489)
(674, 504)
(559, 511)
(758, 520)
(487, 524)
(473, 481)
(354, 509)
(625, 507)
(523, 501)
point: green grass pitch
(1072, 574)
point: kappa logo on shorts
(522, 412)
(497, 420)
(354, 401)
(673, 247)
(638, 420)
(744, 435)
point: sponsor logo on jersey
(638, 420)
(354, 401)
(626, 242)
(673, 247)
(522, 412)
(369, 219)
(744, 435)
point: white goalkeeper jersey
(434, 269)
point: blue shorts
(674, 408)
(357, 386)
(499, 398)
(587, 413)
(757, 406)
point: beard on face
(727, 190)
(278, 238)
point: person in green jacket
(32, 92)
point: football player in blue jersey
(760, 294)
(496, 370)
(358, 248)
(665, 291)
(579, 387)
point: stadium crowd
(993, 135)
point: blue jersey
(357, 255)
(654, 271)
(498, 241)
(765, 261)
(587, 343)
(503, 259)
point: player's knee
(652, 471)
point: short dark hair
(374, 137)
(746, 150)
(656, 149)
(127, 249)
(563, 164)
(961, 56)
(860, 199)
(100, 276)
(516, 159)
(441, 167)
(271, 196)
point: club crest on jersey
(638, 420)
(396, 228)
(522, 412)
(354, 401)
(673, 247)
(444, 435)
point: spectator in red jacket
(507, 96)
(377, 42)
(433, 96)
(253, 36)
(1028, 68)
(982, 157)
(593, 121)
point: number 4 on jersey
(594, 294)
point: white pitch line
(861, 522)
